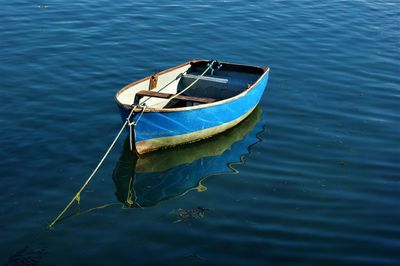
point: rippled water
(314, 179)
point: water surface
(320, 185)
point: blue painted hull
(178, 127)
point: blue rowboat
(189, 102)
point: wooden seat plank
(162, 95)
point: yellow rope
(198, 78)
(127, 122)
(134, 124)
(77, 195)
(132, 192)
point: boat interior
(164, 90)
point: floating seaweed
(191, 214)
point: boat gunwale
(189, 108)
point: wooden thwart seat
(162, 95)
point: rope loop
(130, 124)
(213, 66)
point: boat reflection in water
(151, 178)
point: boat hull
(149, 179)
(162, 129)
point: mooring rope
(77, 195)
(210, 66)
(127, 122)
(143, 105)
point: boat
(145, 181)
(189, 102)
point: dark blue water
(312, 179)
